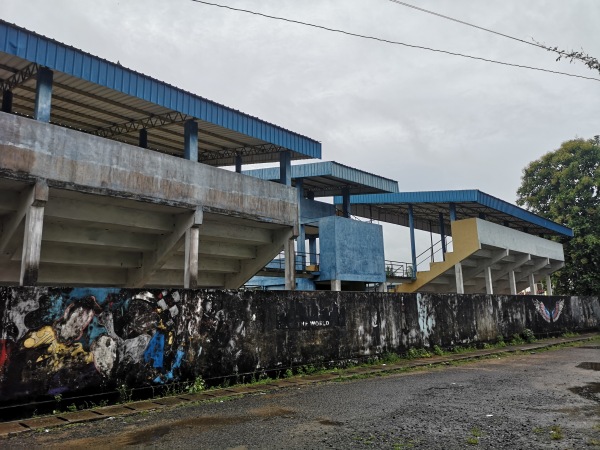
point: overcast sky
(429, 120)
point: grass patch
(476, 432)
(473, 440)
(556, 433)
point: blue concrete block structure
(353, 249)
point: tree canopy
(563, 186)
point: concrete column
(413, 250)
(489, 288)
(512, 282)
(285, 168)
(32, 238)
(190, 267)
(43, 95)
(312, 249)
(532, 284)
(336, 285)
(458, 272)
(143, 138)
(238, 163)
(382, 287)
(190, 150)
(7, 101)
(346, 202)
(549, 290)
(290, 265)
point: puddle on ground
(590, 391)
(589, 365)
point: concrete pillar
(489, 288)
(413, 250)
(290, 265)
(190, 267)
(512, 282)
(532, 284)
(32, 238)
(382, 287)
(190, 150)
(312, 249)
(336, 285)
(7, 101)
(458, 272)
(549, 290)
(143, 138)
(43, 95)
(285, 168)
(346, 202)
(238, 163)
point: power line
(468, 24)
(387, 41)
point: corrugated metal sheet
(328, 177)
(33, 47)
(470, 202)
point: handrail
(398, 269)
(431, 254)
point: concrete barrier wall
(77, 340)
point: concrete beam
(236, 233)
(208, 264)
(494, 258)
(166, 246)
(36, 195)
(60, 254)
(264, 254)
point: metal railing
(303, 262)
(397, 269)
(432, 251)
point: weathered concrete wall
(63, 341)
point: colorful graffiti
(64, 341)
(547, 315)
(55, 341)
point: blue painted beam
(190, 150)
(43, 95)
(413, 249)
(346, 202)
(452, 212)
(238, 163)
(7, 101)
(285, 168)
(143, 141)
(442, 235)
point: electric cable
(388, 41)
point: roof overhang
(429, 205)
(329, 178)
(103, 98)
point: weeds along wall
(57, 341)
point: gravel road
(547, 400)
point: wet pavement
(545, 400)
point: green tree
(563, 186)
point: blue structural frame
(54, 55)
(458, 197)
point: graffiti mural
(549, 315)
(72, 341)
(55, 341)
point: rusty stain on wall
(80, 340)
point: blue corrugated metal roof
(460, 197)
(57, 56)
(330, 172)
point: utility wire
(387, 41)
(535, 44)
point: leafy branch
(573, 55)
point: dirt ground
(546, 400)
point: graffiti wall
(80, 340)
